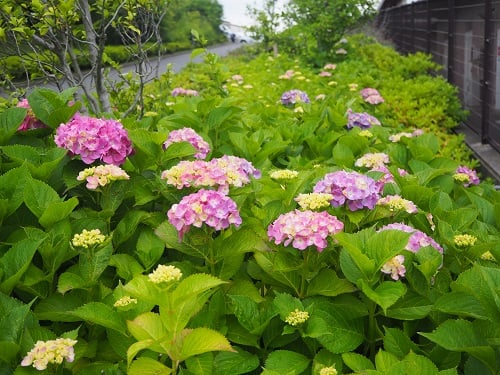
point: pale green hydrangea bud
(464, 240)
(125, 301)
(297, 317)
(283, 174)
(314, 201)
(328, 371)
(165, 274)
(88, 238)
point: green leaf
(385, 294)
(461, 335)
(92, 265)
(38, 196)
(126, 266)
(57, 211)
(149, 248)
(250, 315)
(136, 347)
(16, 261)
(51, 107)
(202, 340)
(10, 120)
(221, 114)
(101, 314)
(460, 304)
(327, 283)
(285, 362)
(414, 364)
(357, 362)
(411, 306)
(69, 280)
(398, 343)
(149, 327)
(236, 363)
(202, 364)
(285, 304)
(384, 361)
(128, 225)
(148, 366)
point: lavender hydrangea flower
(355, 189)
(293, 97)
(371, 96)
(466, 175)
(95, 139)
(417, 240)
(188, 135)
(360, 119)
(304, 228)
(211, 207)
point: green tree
(51, 38)
(326, 21)
(267, 23)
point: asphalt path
(154, 69)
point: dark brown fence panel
(463, 36)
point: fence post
(486, 80)
(451, 39)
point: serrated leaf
(148, 366)
(202, 340)
(327, 283)
(385, 294)
(38, 196)
(57, 211)
(236, 363)
(201, 364)
(410, 307)
(149, 248)
(357, 362)
(398, 343)
(10, 120)
(460, 304)
(384, 361)
(101, 314)
(285, 362)
(91, 266)
(149, 327)
(136, 347)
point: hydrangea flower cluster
(293, 97)
(222, 172)
(288, 75)
(313, 201)
(371, 96)
(417, 240)
(397, 137)
(464, 240)
(95, 139)
(179, 91)
(360, 119)
(283, 174)
(324, 73)
(30, 121)
(304, 228)
(88, 238)
(373, 160)
(398, 203)
(125, 301)
(205, 206)
(165, 274)
(328, 371)
(466, 176)
(102, 175)
(365, 133)
(353, 188)
(189, 135)
(395, 267)
(51, 351)
(297, 317)
(330, 67)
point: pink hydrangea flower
(179, 91)
(466, 175)
(330, 67)
(395, 267)
(398, 203)
(371, 96)
(304, 228)
(220, 172)
(324, 73)
(211, 207)
(30, 121)
(51, 351)
(288, 74)
(355, 189)
(102, 175)
(360, 119)
(293, 97)
(417, 240)
(188, 135)
(95, 139)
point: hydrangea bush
(227, 234)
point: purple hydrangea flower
(95, 139)
(466, 175)
(417, 240)
(360, 119)
(355, 189)
(294, 96)
(188, 135)
(211, 207)
(304, 228)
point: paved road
(177, 60)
